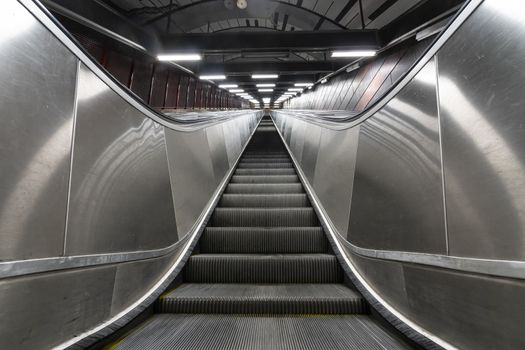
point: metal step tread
(264, 217)
(263, 298)
(264, 188)
(266, 179)
(264, 165)
(256, 240)
(267, 171)
(258, 332)
(264, 200)
(263, 268)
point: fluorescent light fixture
(228, 86)
(353, 67)
(310, 87)
(290, 93)
(354, 53)
(266, 100)
(265, 85)
(180, 57)
(303, 84)
(265, 90)
(213, 77)
(295, 89)
(324, 81)
(265, 76)
(236, 90)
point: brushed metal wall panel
(232, 141)
(466, 310)
(219, 155)
(37, 79)
(397, 200)
(45, 310)
(312, 138)
(297, 139)
(334, 174)
(192, 177)
(120, 188)
(481, 85)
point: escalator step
(264, 217)
(254, 268)
(265, 160)
(264, 179)
(243, 165)
(264, 188)
(265, 156)
(262, 299)
(287, 171)
(291, 200)
(229, 332)
(263, 240)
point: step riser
(271, 270)
(264, 201)
(264, 165)
(265, 160)
(262, 307)
(241, 217)
(288, 171)
(242, 240)
(255, 179)
(264, 188)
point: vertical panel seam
(71, 155)
(171, 182)
(438, 103)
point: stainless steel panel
(397, 200)
(334, 174)
(37, 79)
(232, 141)
(312, 138)
(297, 139)
(219, 155)
(120, 187)
(45, 310)
(192, 177)
(466, 310)
(134, 279)
(481, 89)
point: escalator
(263, 275)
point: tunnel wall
(100, 197)
(424, 196)
(359, 89)
(159, 84)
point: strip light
(180, 57)
(265, 85)
(265, 90)
(228, 86)
(236, 90)
(265, 76)
(295, 89)
(303, 84)
(356, 53)
(213, 77)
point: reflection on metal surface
(120, 198)
(397, 199)
(483, 135)
(35, 134)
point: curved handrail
(177, 120)
(341, 119)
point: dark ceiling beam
(298, 6)
(301, 40)
(283, 68)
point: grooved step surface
(293, 200)
(228, 332)
(265, 188)
(268, 165)
(254, 268)
(265, 160)
(258, 240)
(264, 217)
(263, 299)
(285, 171)
(252, 179)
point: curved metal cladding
(100, 198)
(424, 195)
